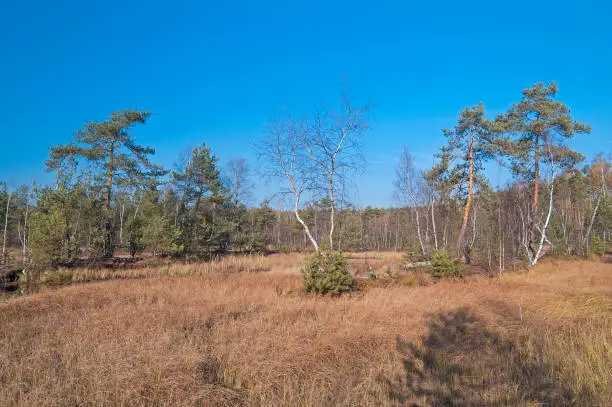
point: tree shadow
(461, 363)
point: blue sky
(217, 71)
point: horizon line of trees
(108, 196)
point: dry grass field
(241, 332)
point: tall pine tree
(538, 126)
(113, 155)
(469, 144)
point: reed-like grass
(241, 332)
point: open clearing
(241, 332)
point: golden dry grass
(218, 334)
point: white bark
(24, 235)
(433, 224)
(543, 239)
(304, 225)
(332, 200)
(406, 190)
(418, 224)
(588, 232)
(601, 194)
(8, 202)
(286, 165)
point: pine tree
(537, 123)
(469, 144)
(199, 182)
(538, 126)
(113, 156)
(200, 178)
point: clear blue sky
(216, 71)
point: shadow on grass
(460, 363)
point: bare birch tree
(317, 156)
(282, 157)
(240, 185)
(333, 144)
(22, 227)
(599, 174)
(408, 189)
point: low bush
(443, 266)
(412, 255)
(326, 273)
(596, 246)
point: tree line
(109, 197)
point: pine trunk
(468, 203)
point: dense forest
(109, 198)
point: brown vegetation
(222, 335)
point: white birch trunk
(8, 202)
